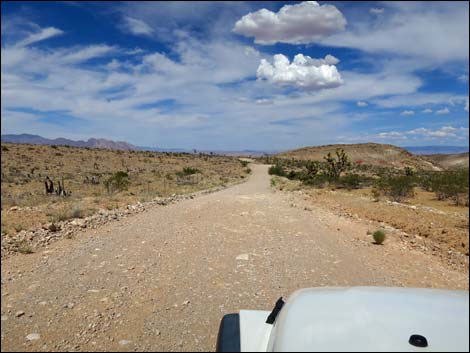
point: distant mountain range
(91, 143)
(436, 149)
(120, 145)
(115, 145)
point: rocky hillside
(91, 143)
(450, 161)
(365, 153)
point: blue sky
(237, 75)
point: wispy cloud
(43, 34)
(434, 34)
(136, 26)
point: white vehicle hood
(366, 319)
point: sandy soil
(430, 225)
(163, 279)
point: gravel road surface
(162, 279)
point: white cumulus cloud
(443, 111)
(466, 106)
(427, 111)
(407, 112)
(304, 72)
(295, 24)
(362, 104)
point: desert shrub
(319, 181)
(312, 168)
(350, 181)
(375, 193)
(397, 188)
(187, 171)
(77, 212)
(293, 175)
(276, 169)
(409, 171)
(58, 216)
(119, 181)
(244, 163)
(23, 247)
(18, 227)
(5, 148)
(451, 185)
(248, 170)
(379, 236)
(424, 180)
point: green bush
(118, 182)
(397, 188)
(292, 175)
(350, 181)
(244, 163)
(319, 180)
(276, 169)
(451, 185)
(379, 236)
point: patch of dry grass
(150, 174)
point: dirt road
(162, 279)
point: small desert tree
(337, 164)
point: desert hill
(450, 161)
(366, 153)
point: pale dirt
(163, 279)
